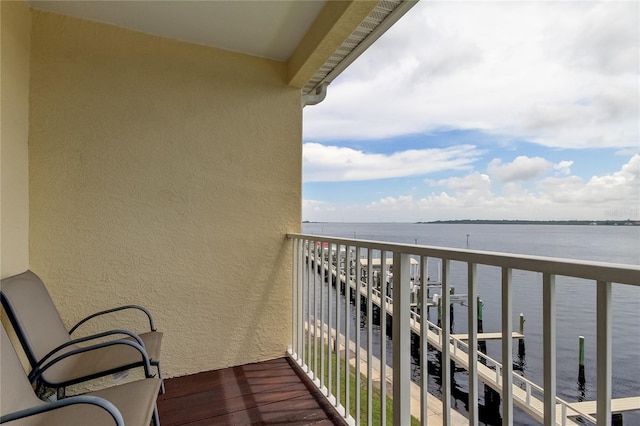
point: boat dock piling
(581, 375)
(521, 348)
(480, 308)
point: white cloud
(323, 163)
(604, 37)
(317, 206)
(472, 186)
(561, 74)
(608, 196)
(563, 167)
(400, 203)
(620, 187)
(521, 169)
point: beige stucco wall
(15, 24)
(165, 174)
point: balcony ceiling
(265, 28)
(315, 41)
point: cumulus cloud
(620, 188)
(563, 167)
(322, 163)
(613, 196)
(472, 181)
(521, 169)
(560, 74)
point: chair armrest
(87, 338)
(120, 308)
(74, 400)
(41, 367)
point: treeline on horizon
(536, 222)
(627, 222)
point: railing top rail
(600, 271)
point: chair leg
(156, 417)
(160, 377)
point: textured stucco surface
(15, 25)
(165, 174)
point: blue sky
(483, 110)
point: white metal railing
(317, 311)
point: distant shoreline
(627, 222)
(537, 222)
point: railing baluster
(401, 340)
(445, 367)
(507, 349)
(472, 327)
(357, 325)
(309, 353)
(549, 347)
(315, 310)
(603, 353)
(347, 330)
(338, 265)
(322, 317)
(294, 296)
(329, 318)
(424, 360)
(369, 337)
(300, 349)
(305, 296)
(383, 338)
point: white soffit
(265, 28)
(381, 18)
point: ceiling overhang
(353, 32)
(317, 39)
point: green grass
(376, 400)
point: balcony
(141, 168)
(328, 271)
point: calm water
(576, 313)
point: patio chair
(128, 404)
(45, 338)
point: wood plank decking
(265, 393)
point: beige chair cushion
(135, 401)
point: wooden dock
(487, 336)
(617, 405)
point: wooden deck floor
(266, 393)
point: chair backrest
(15, 389)
(33, 315)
